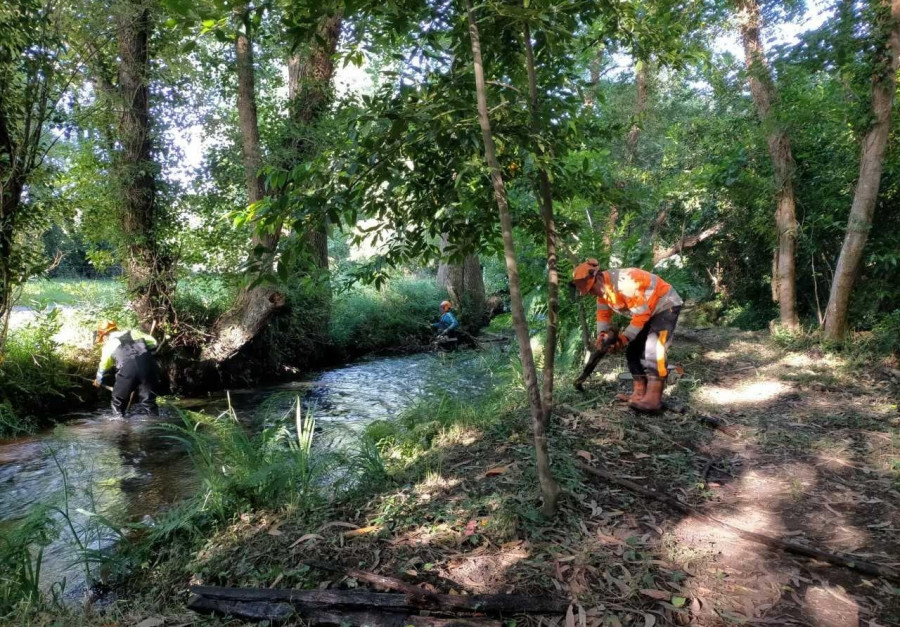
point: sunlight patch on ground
(434, 484)
(719, 356)
(458, 435)
(706, 536)
(746, 394)
(802, 360)
(485, 572)
(828, 607)
(768, 489)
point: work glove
(96, 383)
(603, 339)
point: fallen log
(247, 610)
(500, 604)
(390, 583)
(838, 559)
(280, 612)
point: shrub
(34, 376)
(366, 320)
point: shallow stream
(128, 470)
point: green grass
(40, 293)
(366, 320)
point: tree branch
(686, 241)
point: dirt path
(814, 459)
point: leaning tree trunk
(255, 305)
(464, 282)
(871, 161)
(148, 271)
(549, 487)
(762, 88)
(546, 200)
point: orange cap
(585, 275)
(105, 328)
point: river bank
(50, 357)
(446, 499)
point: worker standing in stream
(653, 306)
(136, 371)
(448, 325)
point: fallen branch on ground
(280, 612)
(838, 559)
(718, 424)
(497, 604)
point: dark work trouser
(138, 376)
(646, 353)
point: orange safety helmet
(105, 328)
(585, 275)
(445, 306)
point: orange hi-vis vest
(635, 293)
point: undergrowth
(367, 320)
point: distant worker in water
(448, 325)
(653, 306)
(136, 371)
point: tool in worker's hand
(105, 387)
(612, 338)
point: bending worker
(448, 324)
(136, 371)
(653, 306)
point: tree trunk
(146, 268)
(310, 74)
(631, 142)
(465, 284)
(254, 306)
(590, 95)
(549, 487)
(545, 194)
(871, 160)
(762, 88)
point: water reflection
(127, 470)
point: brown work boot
(639, 388)
(652, 401)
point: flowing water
(128, 470)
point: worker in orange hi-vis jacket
(653, 306)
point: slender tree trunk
(549, 487)
(310, 74)
(762, 88)
(146, 268)
(874, 146)
(254, 306)
(545, 194)
(590, 95)
(631, 142)
(465, 283)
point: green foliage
(33, 375)
(242, 470)
(365, 319)
(21, 557)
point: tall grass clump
(366, 320)
(242, 470)
(34, 375)
(21, 557)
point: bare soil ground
(813, 459)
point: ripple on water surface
(127, 469)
